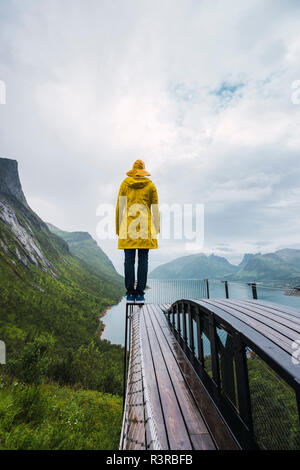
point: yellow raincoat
(137, 213)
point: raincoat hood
(137, 182)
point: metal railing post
(226, 289)
(173, 316)
(207, 288)
(254, 290)
(169, 314)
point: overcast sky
(201, 90)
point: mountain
(198, 266)
(82, 245)
(247, 257)
(48, 295)
(9, 180)
(291, 257)
(279, 268)
(283, 266)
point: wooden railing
(248, 373)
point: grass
(49, 416)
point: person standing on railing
(137, 226)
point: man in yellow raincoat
(137, 225)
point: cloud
(202, 92)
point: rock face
(19, 232)
(247, 257)
(10, 181)
(29, 249)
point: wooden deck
(168, 405)
(161, 376)
(180, 424)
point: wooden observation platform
(211, 374)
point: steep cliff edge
(10, 184)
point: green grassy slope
(83, 246)
(37, 417)
(66, 301)
(50, 304)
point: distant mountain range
(198, 266)
(279, 268)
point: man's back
(136, 224)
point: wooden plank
(281, 317)
(282, 308)
(211, 415)
(267, 320)
(257, 323)
(166, 392)
(136, 415)
(156, 307)
(191, 414)
(177, 433)
(282, 311)
(150, 374)
(277, 339)
(202, 442)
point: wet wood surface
(184, 415)
(179, 421)
(281, 331)
(222, 438)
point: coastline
(292, 292)
(101, 323)
(103, 313)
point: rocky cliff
(10, 184)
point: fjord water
(167, 291)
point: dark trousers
(142, 271)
